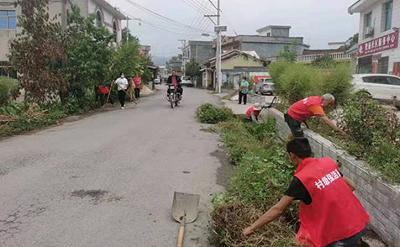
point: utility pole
(218, 29)
(183, 55)
(219, 49)
(127, 29)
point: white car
(379, 86)
(187, 82)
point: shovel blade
(185, 207)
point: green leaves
(211, 114)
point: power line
(161, 28)
(162, 16)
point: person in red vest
(137, 81)
(253, 113)
(304, 109)
(330, 213)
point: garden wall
(381, 200)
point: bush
(9, 88)
(375, 134)
(364, 120)
(211, 114)
(298, 82)
(294, 82)
(276, 70)
(337, 82)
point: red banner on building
(387, 42)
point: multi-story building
(378, 46)
(269, 42)
(106, 15)
(175, 64)
(198, 51)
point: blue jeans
(349, 242)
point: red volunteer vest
(250, 111)
(299, 111)
(335, 213)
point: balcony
(337, 56)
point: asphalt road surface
(108, 179)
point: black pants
(242, 97)
(294, 126)
(137, 93)
(349, 242)
(121, 96)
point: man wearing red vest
(330, 213)
(253, 113)
(304, 109)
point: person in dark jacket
(175, 81)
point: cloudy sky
(318, 21)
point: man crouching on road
(330, 213)
(303, 110)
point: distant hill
(159, 61)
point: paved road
(108, 180)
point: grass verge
(262, 174)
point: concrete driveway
(108, 180)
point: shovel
(184, 211)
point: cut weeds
(262, 175)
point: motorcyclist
(175, 81)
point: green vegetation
(374, 135)
(374, 132)
(262, 174)
(8, 89)
(61, 67)
(211, 114)
(295, 81)
(17, 118)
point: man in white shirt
(122, 84)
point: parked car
(379, 86)
(187, 82)
(265, 87)
(157, 81)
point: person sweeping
(307, 108)
(330, 214)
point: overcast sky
(318, 21)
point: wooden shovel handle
(181, 234)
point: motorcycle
(174, 97)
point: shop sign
(387, 42)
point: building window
(387, 15)
(99, 18)
(8, 19)
(368, 25)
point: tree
(289, 53)
(127, 60)
(125, 32)
(193, 69)
(89, 57)
(38, 53)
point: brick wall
(381, 200)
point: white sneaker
(122, 108)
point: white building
(106, 16)
(378, 47)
